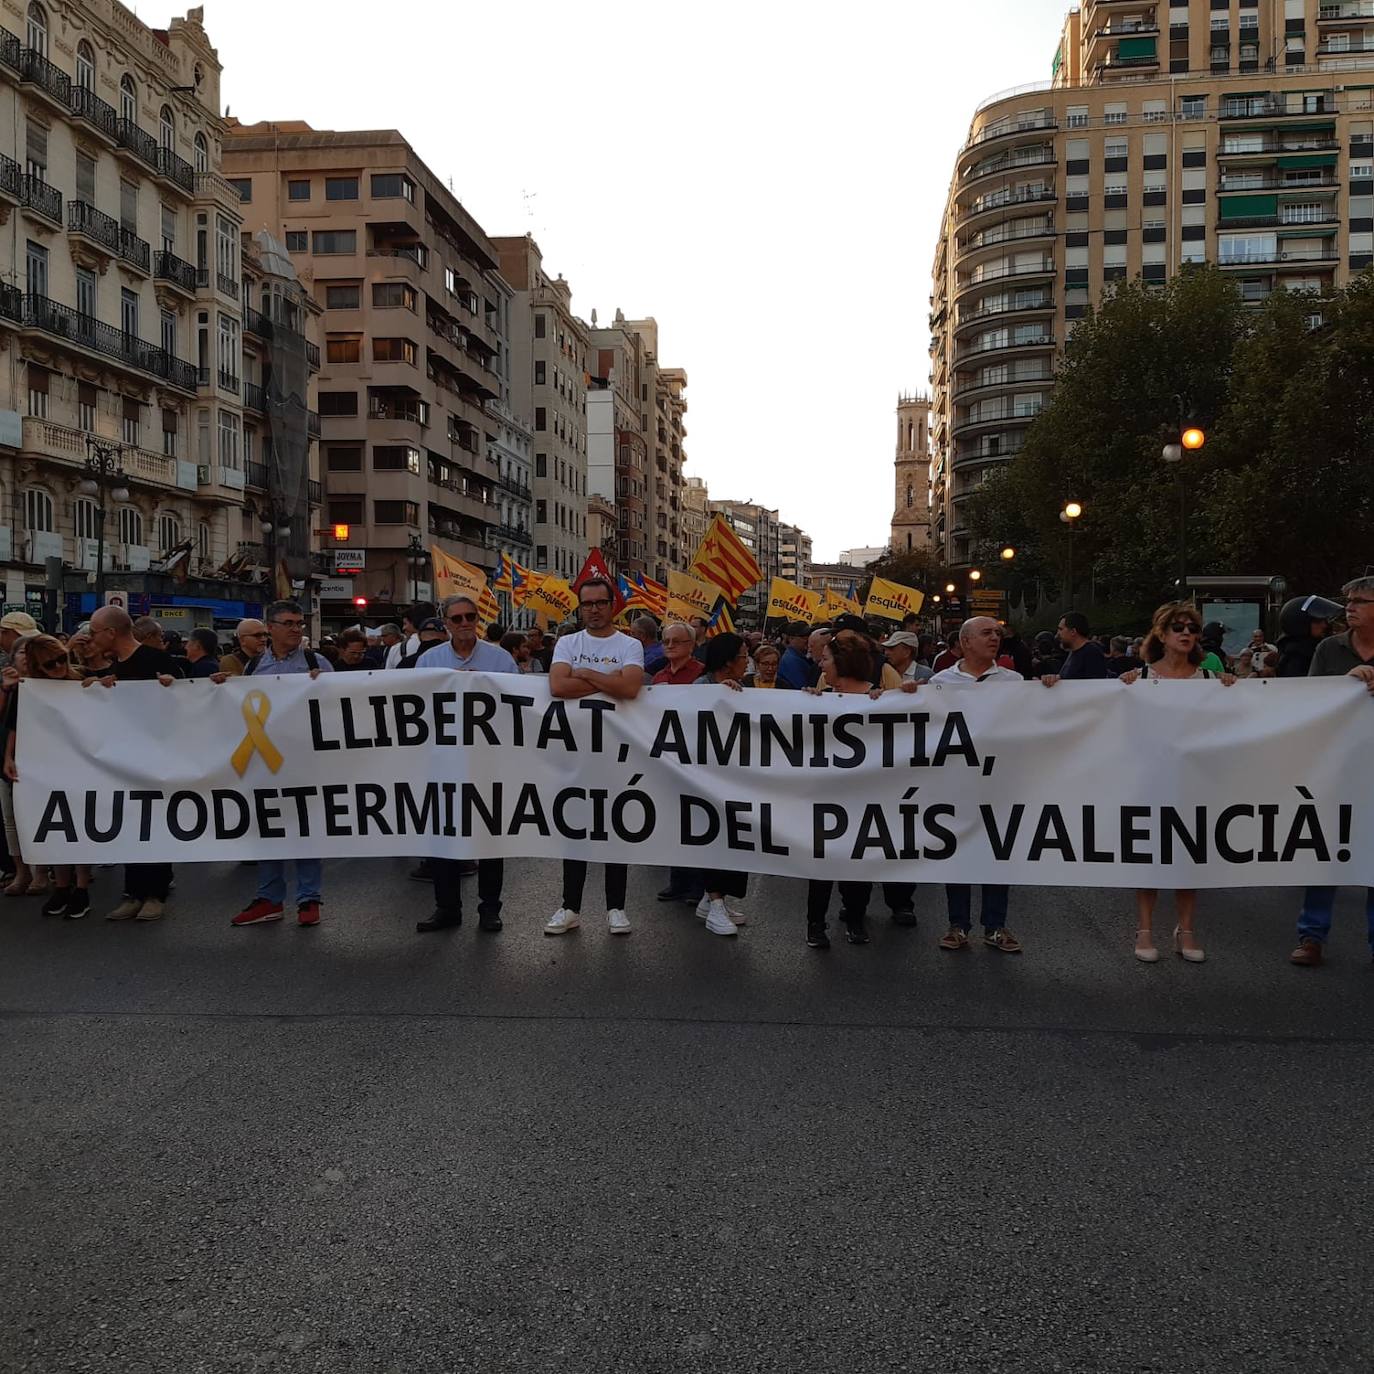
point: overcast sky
(764, 179)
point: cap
(21, 622)
(894, 641)
(851, 622)
(432, 626)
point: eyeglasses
(1184, 627)
(290, 624)
(590, 605)
(254, 634)
(463, 618)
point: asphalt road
(358, 1150)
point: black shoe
(441, 920)
(78, 905)
(56, 905)
(671, 894)
(422, 874)
(816, 937)
(855, 931)
(467, 867)
(904, 916)
(489, 921)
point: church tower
(911, 506)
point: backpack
(311, 661)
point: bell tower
(911, 504)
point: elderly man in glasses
(465, 652)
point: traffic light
(360, 602)
(341, 533)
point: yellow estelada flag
(892, 601)
(688, 597)
(787, 601)
(453, 577)
(551, 596)
(836, 603)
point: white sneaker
(619, 922)
(561, 922)
(704, 911)
(718, 920)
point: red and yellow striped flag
(724, 561)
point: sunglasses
(48, 664)
(463, 618)
(1184, 627)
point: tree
(1281, 485)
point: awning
(1293, 232)
(1308, 160)
(1248, 207)
(1135, 47)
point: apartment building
(695, 516)
(843, 578)
(413, 344)
(1228, 131)
(794, 554)
(663, 402)
(617, 448)
(911, 473)
(122, 277)
(549, 361)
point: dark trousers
(853, 900)
(148, 882)
(448, 896)
(898, 895)
(685, 881)
(723, 880)
(960, 899)
(575, 879)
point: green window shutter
(1135, 47)
(1309, 160)
(1248, 207)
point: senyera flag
(724, 561)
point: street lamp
(275, 525)
(1071, 512)
(1190, 440)
(949, 588)
(1008, 553)
(415, 551)
(975, 575)
(104, 469)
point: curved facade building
(1239, 132)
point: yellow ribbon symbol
(256, 709)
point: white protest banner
(1158, 784)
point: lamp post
(104, 474)
(415, 551)
(1072, 510)
(274, 524)
(1190, 440)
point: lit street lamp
(1190, 440)
(1008, 553)
(1071, 512)
(104, 475)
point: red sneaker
(308, 914)
(257, 912)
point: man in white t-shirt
(410, 627)
(596, 658)
(981, 641)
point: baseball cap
(902, 637)
(851, 622)
(21, 622)
(432, 626)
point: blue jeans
(272, 880)
(1317, 904)
(959, 896)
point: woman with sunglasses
(46, 661)
(1172, 652)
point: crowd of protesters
(1319, 637)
